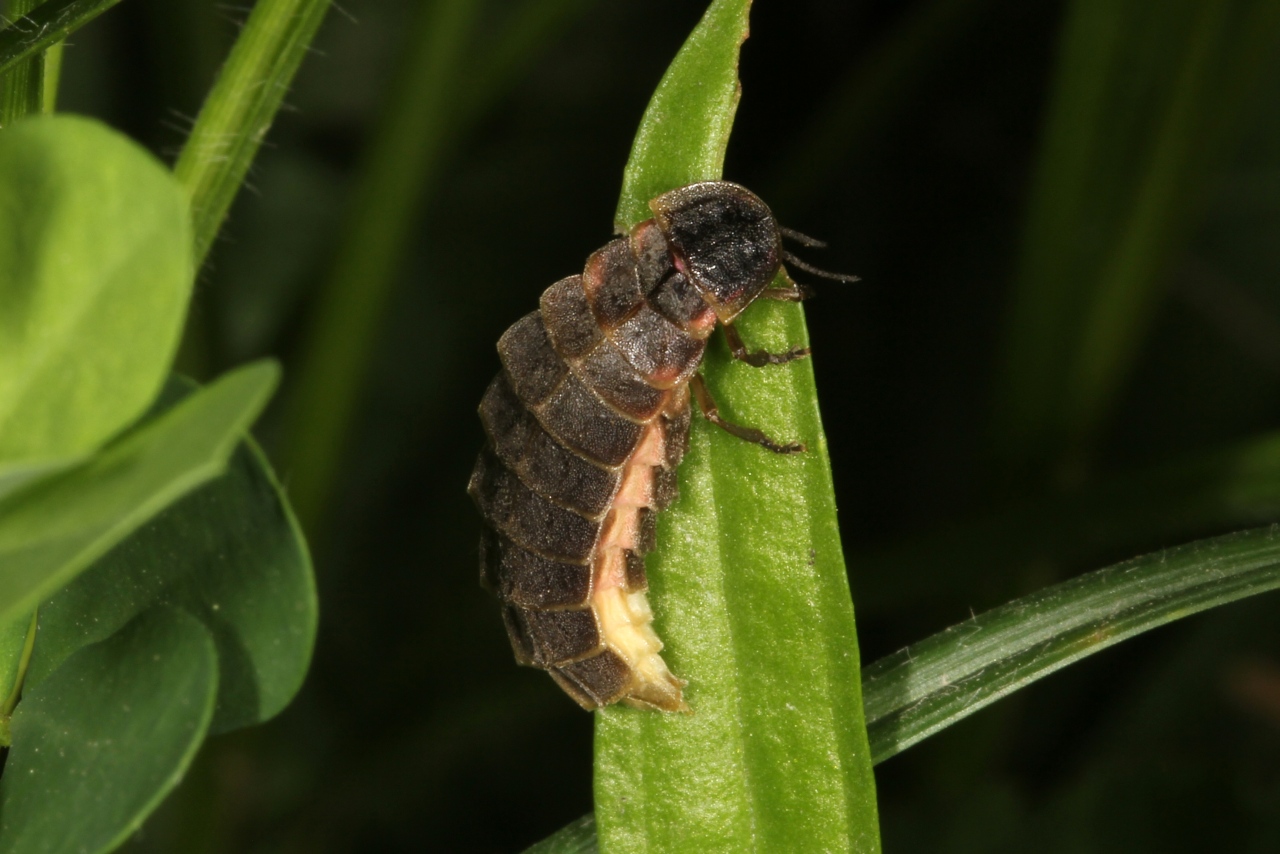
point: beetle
(588, 420)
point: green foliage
(173, 587)
(1145, 105)
(420, 126)
(95, 274)
(685, 130)
(45, 26)
(54, 529)
(931, 685)
(99, 743)
(1134, 409)
(229, 554)
(748, 579)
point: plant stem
(47, 25)
(24, 662)
(22, 88)
(240, 108)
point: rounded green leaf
(95, 274)
(232, 555)
(55, 529)
(101, 742)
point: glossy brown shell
(586, 424)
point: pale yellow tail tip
(662, 696)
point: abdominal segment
(582, 454)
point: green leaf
(54, 529)
(934, 683)
(685, 129)
(102, 741)
(95, 274)
(46, 25)
(240, 108)
(230, 554)
(748, 581)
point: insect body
(587, 423)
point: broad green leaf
(46, 25)
(16, 476)
(101, 742)
(231, 555)
(95, 274)
(240, 108)
(748, 581)
(54, 529)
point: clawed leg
(759, 358)
(750, 434)
(791, 293)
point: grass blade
(748, 580)
(240, 108)
(46, 25)
(934, 683)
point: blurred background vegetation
(1065, 351)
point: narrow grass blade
(685, 130)
(45, 26)
(934, 683)
(748, 580)
(240, 108)
(578, 837)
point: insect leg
(750, 434)
(759, 358)
(791, 293)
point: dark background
(909, 136)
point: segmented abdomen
(587, 423)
